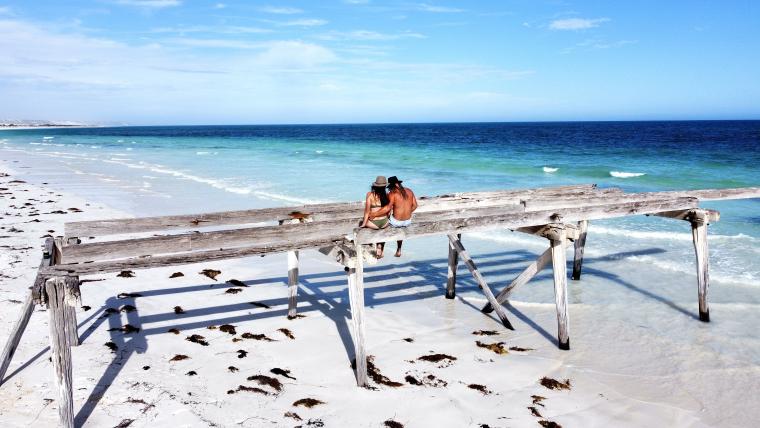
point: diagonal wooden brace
(500, 311)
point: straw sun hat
(380, 181)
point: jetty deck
(559, 214)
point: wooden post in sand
(356, 299)
(72, 330)
(580, 245)
(699, 221)
(61, 293)
(451, 280)
(559, 265)
(292, 283)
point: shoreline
(653, 385)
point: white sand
(626, 366)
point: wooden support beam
(580, 247)
(356, 299)
(72, 333)
(292, 283)
(58, 297)
(525, 276)
(712, 216)
(26, 312)
(500, 311)
(451, 278)
(559, 265)
(699, 222)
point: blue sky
(347, 61)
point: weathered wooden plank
(523, 278)
(540, 203)
(451, 277)
(55, 289)
(194, 221)
(15, 336)
(187, 258)
(26, 312)
(517, 220)
(580, 247)
(500, 311)
(559, 265)
(699, 235)
(712, 216)
(356, 300)
(287, 231)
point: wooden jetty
(559, 214)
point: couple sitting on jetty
(389, 203)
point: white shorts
(399, 223)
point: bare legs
(398, 248)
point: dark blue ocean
(176, 169)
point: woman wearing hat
(377, 198)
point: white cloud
(153, 4)
(303, 23)
(425, 7)
(281, 10)
(368, 35)
(4, 10)
(575, 24)
(228, 29)
(220, 6)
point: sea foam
(623, 174)
(549, 169)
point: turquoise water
(160, 170)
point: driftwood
(580, 247)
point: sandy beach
(197, 351)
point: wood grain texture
(58, 303)
(356, 300)
(580, 248)
(559, 265)
(292, 283)
(451, 276)
(699, 237)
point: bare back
(403, 207)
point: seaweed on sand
(496, 347)
(308, 402)
(555, 384)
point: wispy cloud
(281, 10)
(426, 7)
(596, 43)
(220, 6)
(575, 24)
(5, 10)
(313, 22)
(226, 29)
(367, 35)
(152, 4)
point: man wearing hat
(401, 206)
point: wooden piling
(58, 299)
(699, 235)
(356, 299)
(580, 245)
(559, 264)
(292, 283)
(451, 280)
(500, 311)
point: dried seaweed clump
(555, 384)
(179, 357)
(390, 423)
(286, 332)
(197, 338)
(480, 388)
(126, 274)
(256, 337)
(211, 273)
(236, 283)
(375, 373)
(266, 380)
(496, 347)
(308, 402)
(227, 328)
(282, 372)
(485, 333)
(176, 275)
(549, 424)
